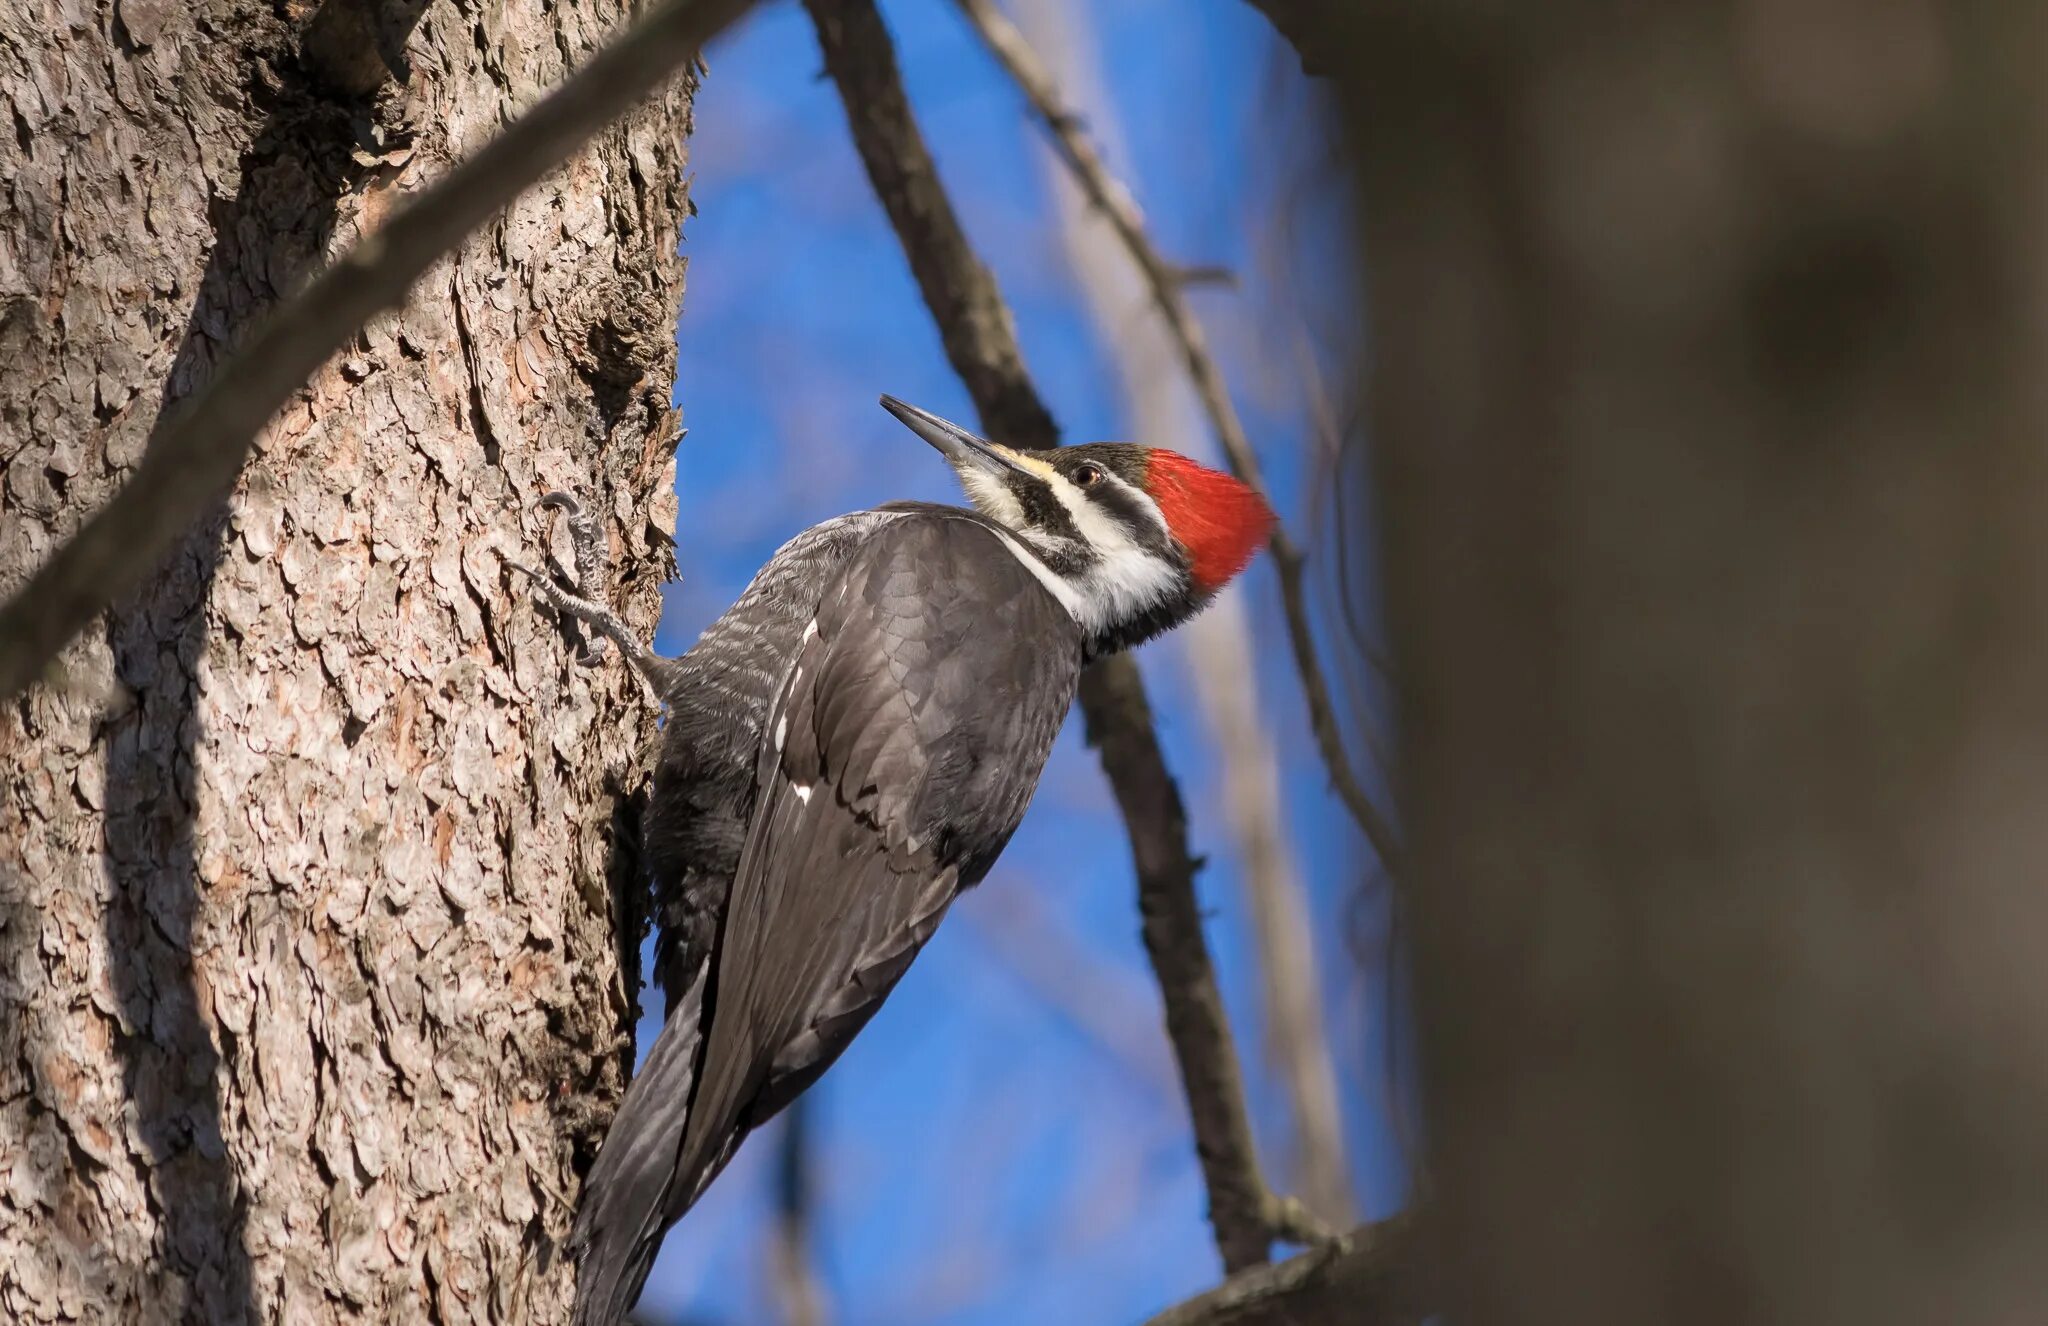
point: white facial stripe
(1102, 530)
(1117, 588)
(992, 497)
(1059, 588)
(1123, 579)
(1126, 578)
(1031, 463)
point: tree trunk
(1709, 349)
(311, 1007)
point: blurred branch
(796, 1286)
(1334, 436)
(193, 462)
(1108, 1007)
(1218, 648)
(1365, 1276)
(1291, 985)
(980, 341)
(1168, 290)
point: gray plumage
(797, 877)
(850, 745)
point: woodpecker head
(1136, 539)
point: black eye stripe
(1042, 508)
(1128, 510)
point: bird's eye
(1088, 475)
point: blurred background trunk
(309, 1000)
(1710, 383)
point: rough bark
(309, 1002)
(1710, 348)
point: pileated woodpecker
(846, 749)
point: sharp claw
(583, 535)
(544, 587)
(547, 591)
(582, 606)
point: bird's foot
(602, 624)
(565, 604)
(587, 546)
(584, 538)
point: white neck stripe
(1053, 582)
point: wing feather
(918, 719)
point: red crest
(1220, 521)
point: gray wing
(624, 1209)
(901, 753)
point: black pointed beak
(961, 448)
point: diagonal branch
(1366, 1275)
(980, 341)
(1167, 284)
(1218, 646)
(797, 1289)
(193, 462)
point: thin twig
(1365, 1276)
(796, 1284)
(1107, 193)
(194, 460)
(1332, 435)
(1107, 1007)
(1218, 648)
(1296, 1040)
(979, 338)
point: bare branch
(1290, 987)
(1168, 284)
(1218, 646)
(194, 460)
(1101, 1002)
(1365, 1276)
(980, 341)
(1119, 724)
(796, 1284)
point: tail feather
(630, 1198)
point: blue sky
(1006, 1142)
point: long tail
(630, 1199)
